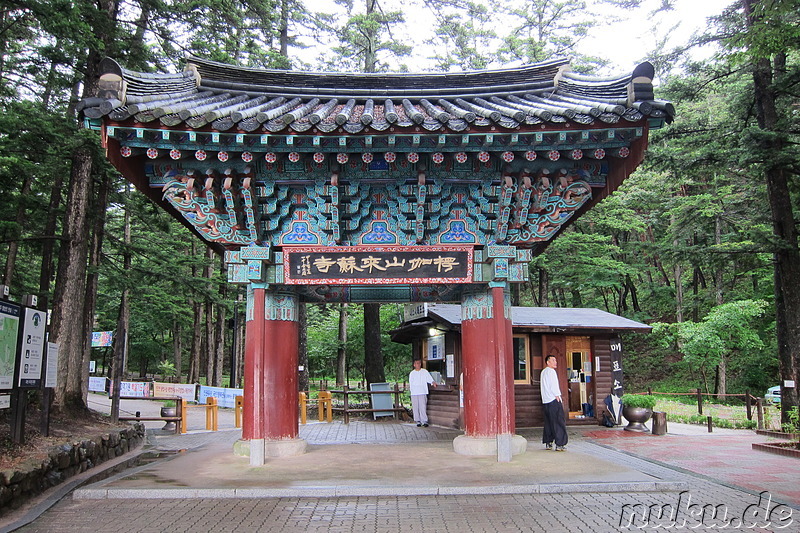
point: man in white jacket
(555, 428)
(418, 380)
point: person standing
(555, 428)
(418, 380)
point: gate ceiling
(266, 163)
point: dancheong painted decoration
(325, 187)
(270, 160)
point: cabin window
(521, 358)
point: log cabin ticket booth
(335, 187)
(586, 344)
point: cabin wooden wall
(603, 380)
(444, 409)
(443, 405)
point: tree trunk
(177, 348)
(786, 257)
(373, 355)
(341, 354)
(95, 251)
(13, 246)
(302, 318)
(370, 37)
(197, 342)
(678, 273)
(49, 243)
(284, 32)
(210, 343)
(73, 367)
(544, 288)
(219, 348)
(68, 300)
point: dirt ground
(63, 429)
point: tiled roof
(210, 95)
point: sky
(624, 43)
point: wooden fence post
(346, 405)
(748, 404)
(699, 402)
(760, 413)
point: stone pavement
(387, 476)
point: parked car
(773, 394)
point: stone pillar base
(465, 445)
(259, 449)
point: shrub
(793, 425)
(638, 400)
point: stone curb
(351, 492)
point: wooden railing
(347, 392)
(749, 401)
(178, 418)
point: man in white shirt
(418, 380)
(555, 428)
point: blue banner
(225, 397)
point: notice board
(381, 401)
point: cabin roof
(225, 97)
(532, 319)
(548, 317)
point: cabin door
(579, 375)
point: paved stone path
(725, 482)
(728, 459)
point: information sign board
(32, 352)
(51, 375)
(9, 331)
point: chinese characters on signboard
(356, 265)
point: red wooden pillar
(253, 415)
(487, 355)
(271, 376)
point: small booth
(585, 341)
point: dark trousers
(555, 427)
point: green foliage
(367, 42)
(715, 421)
(323, 334)
(167, 369)
(793, 425)
(643, 401)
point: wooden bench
(178, 418)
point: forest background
(700, 241)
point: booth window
(521, 358)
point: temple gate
(375, 188)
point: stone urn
(169, 411)
(636, 417)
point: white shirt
(418, 381)
(548, 382)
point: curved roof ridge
(551, 63)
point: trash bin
(659, 423)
